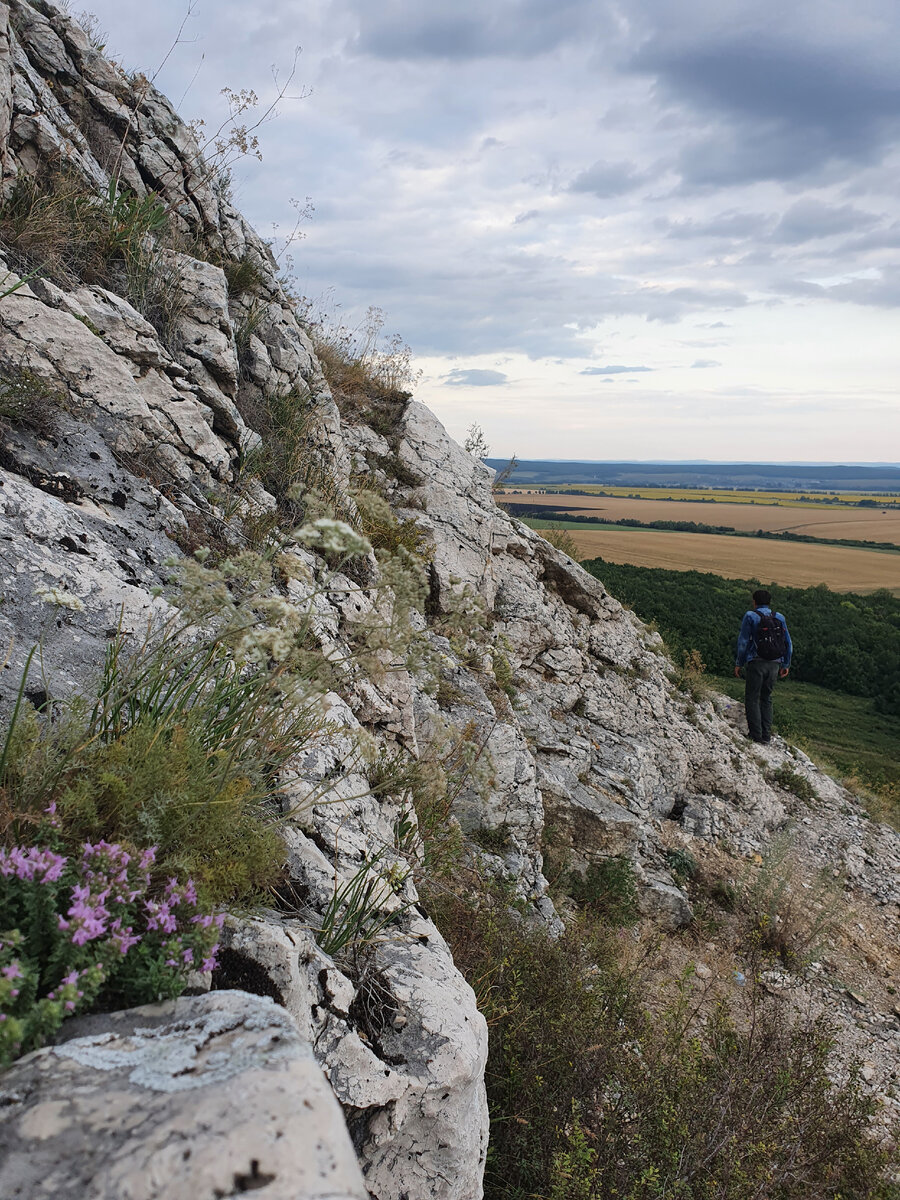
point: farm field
(720, 495)
(843, 569)
(826, 521)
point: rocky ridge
(147, 445)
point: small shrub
(494, 839)
(792, 781)
(784, 919)
(562, 540)
(682, 865)
(608, 889)
(688, 677)
(242, 275)
(476, 442)
(504, 675)
(29, 402)
(395, 468)
(448, 694)
(384, 530)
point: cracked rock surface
(211, 1096)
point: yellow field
(784, 499)
(842, 568)
(867, 524)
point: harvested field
(726, 495)
(843, 569)
(826, 521)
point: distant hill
(776, 476)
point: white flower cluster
(60, 598)
(332, 537)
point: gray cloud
(474, 377)
(469, 29)
(810, 218)
(732, 225)
(613, 370)
(787, 108)
(883, 292)
(701, 364)
(605, 179)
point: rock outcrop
(566, 695)
(211, 1096)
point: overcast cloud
(532, 190)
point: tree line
(843, 641)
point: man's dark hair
(762, 597)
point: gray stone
(208, 1096)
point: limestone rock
(208, 1096)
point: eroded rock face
(402, 1045)
(209, 1096)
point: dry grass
(876, 525)
(791, 564)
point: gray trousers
(760, 679)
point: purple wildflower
(30, 864)
(123, 939)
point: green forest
(842, 641)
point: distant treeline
(546, 513)
(843, 641)
(778, 476)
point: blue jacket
(746, 646)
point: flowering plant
(91, 929)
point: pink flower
(30, 864)
(123, 939)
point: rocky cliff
(134, 448)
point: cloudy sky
(607, 230)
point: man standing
(764, 652)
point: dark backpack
(771, 643)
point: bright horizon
(712, 462)
(661, 232)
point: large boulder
(211, 1096)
